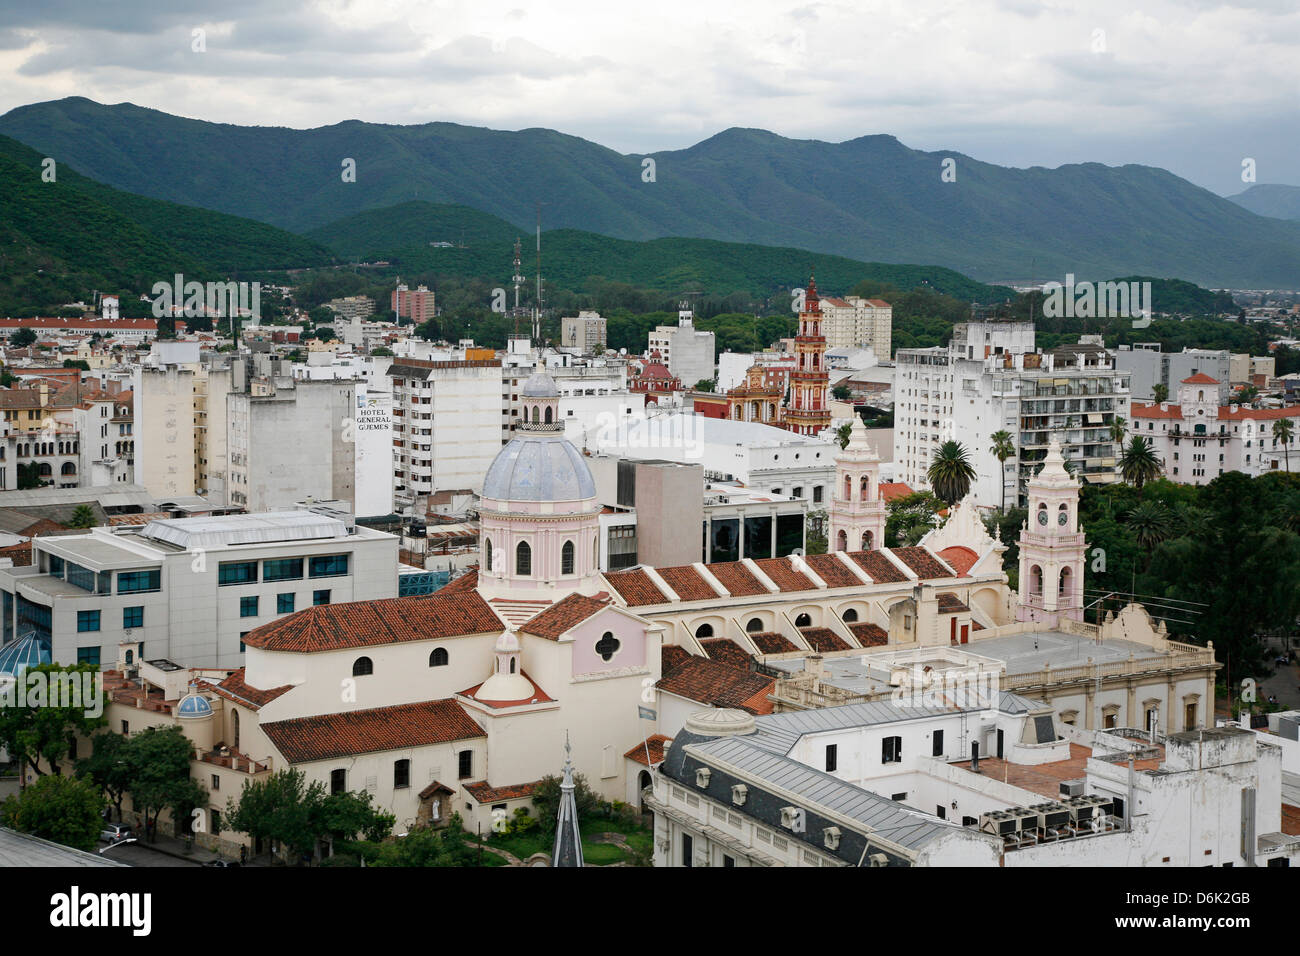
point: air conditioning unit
(999, 823)
(1084, 808)
(1073, 788)
(1051, 815)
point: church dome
(539, 466)
(193, 704)
(540, 385)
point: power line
(1152, 597)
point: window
(248, 606)
(487, 555)
(242, 635)
(438, 658)
(850, 616)
(320, 597)
(133, 616)
(362, 666)
(466, 764)
(284, 603)
(329, 566)
(216, 821)
(688, 850)
(832, 757)
(754, 626)
(728, 861)
(338, 781)
(607, 646)
(803, 620)
(282, 569)
(891, 750)
(936, 744)
(401, 774)
(231, 572)
(566, 558)
(216, 782)
(90, 655)
(87, 621)
(817, 498)
(126, 728)
(134, 582)
(704, 630)
(523, 559)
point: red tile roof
(960, 557)
(716, 684)
(823, 639)
(433, 788)
(358, 624)
(636, 588)
(922, 562)
(784, 576)
(671, 656)
(869, 635)
(878, 567)
(538, 696)
(772, 642)
(736, 578)
(655, 744)
(1228, 413)
(889, 490)
(558, 618)
(727, 651)
(1200, 378)
(236, 689)
(483, 793)
(1152, 410)
(687, 583)
(466, 582)
(304, 739)
(949, 603)
(832, 570)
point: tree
(1248, 394)
(159, 761)
(29, 476)
(1139, 464)
(1159, 393)
(282, 807)
(841, 392)
(706, 385)
(950, 473)
(77, 363)
(1282, 431)
(1118, 429)
(426, 847)
(108, 767)
(83, 516)
(381, 350)
(1151, 523)
(843, 433)
(911, 517)
(22, 338)
(546, 798)
(342, 816)
(53, 710)
(63, 809)
(1002, 448)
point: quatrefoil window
(607, 646)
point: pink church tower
(1052, 545)
(858, 512)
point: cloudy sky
(1195, 86)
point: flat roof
(220, 531)
(22, 849)
(92, 549)
(1026, 653)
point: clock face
(1062, 518)
(1042, 517)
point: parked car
(115, 832)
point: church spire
(568, 838)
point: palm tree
(1282, 430)
(1151, 523)
(1118, 429)
(950, 473)
(1002, 449)
(1159, 393)
(83, 516)
(1139, 464)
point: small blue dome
(193, 705)
(28, 651)
(539, 467)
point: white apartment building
(1149, 366)
(688, 352)
(857, 322)
(1199, 437)
(107, 428)
(189, 588)
(586, 332)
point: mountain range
(1270, 199)
(870, 198)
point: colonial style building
(1052, 545)
(809, 410)
(858, 512)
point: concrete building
(585, 332)
(414, 304)
(857, 322)
(688, 352)
(189, 588)
(354, 308)
(1148, 367)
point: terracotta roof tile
(483, 793)
(687, 583)
(922, 562)
(736, 578)
(831, 570)
(358, 624)
(558, 618)
(869, 635)
(304, 739)
(772, 642)
(961, 558)
(536, 696)
(435, 787)
(823, 639)
(878, 567)
(466, 582)
(235, 688)
(784, 576)
(889, 490)
(672, 655)
(636, 588)
(1144, 410)
(949, 603)
(713, 683)
(655, 744)
(1200, 378)
(727, 651)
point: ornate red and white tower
(809, 412)
(858, 513)
(1052, 545)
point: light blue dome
(540, 385)
(193, 705)
(28, 651)
(539, 466)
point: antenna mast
(518, 280)
(537, 308)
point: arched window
(68, 468)
(803, 620)
(864, 487)
(849, 616)
(866, 540)
(362, 666)
(1036, 581)
(1200, 395)
(548, 414)
(487, 554)
(566, 558)
(535, 415)
(234, 720)
(754, 626)
(46, 471)
(523, 559)
(512, 665)
(842, 541)
(1063, 589)
(704, 630)
(848, 488)
(130, 657)
(438, 658)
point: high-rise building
(855, 322)
(688, 352)
(414, 304)
(585, 331)
(809, 411)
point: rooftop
(224, 531)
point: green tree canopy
(63, 809)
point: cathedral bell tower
(858, 512)
(1052, 545)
